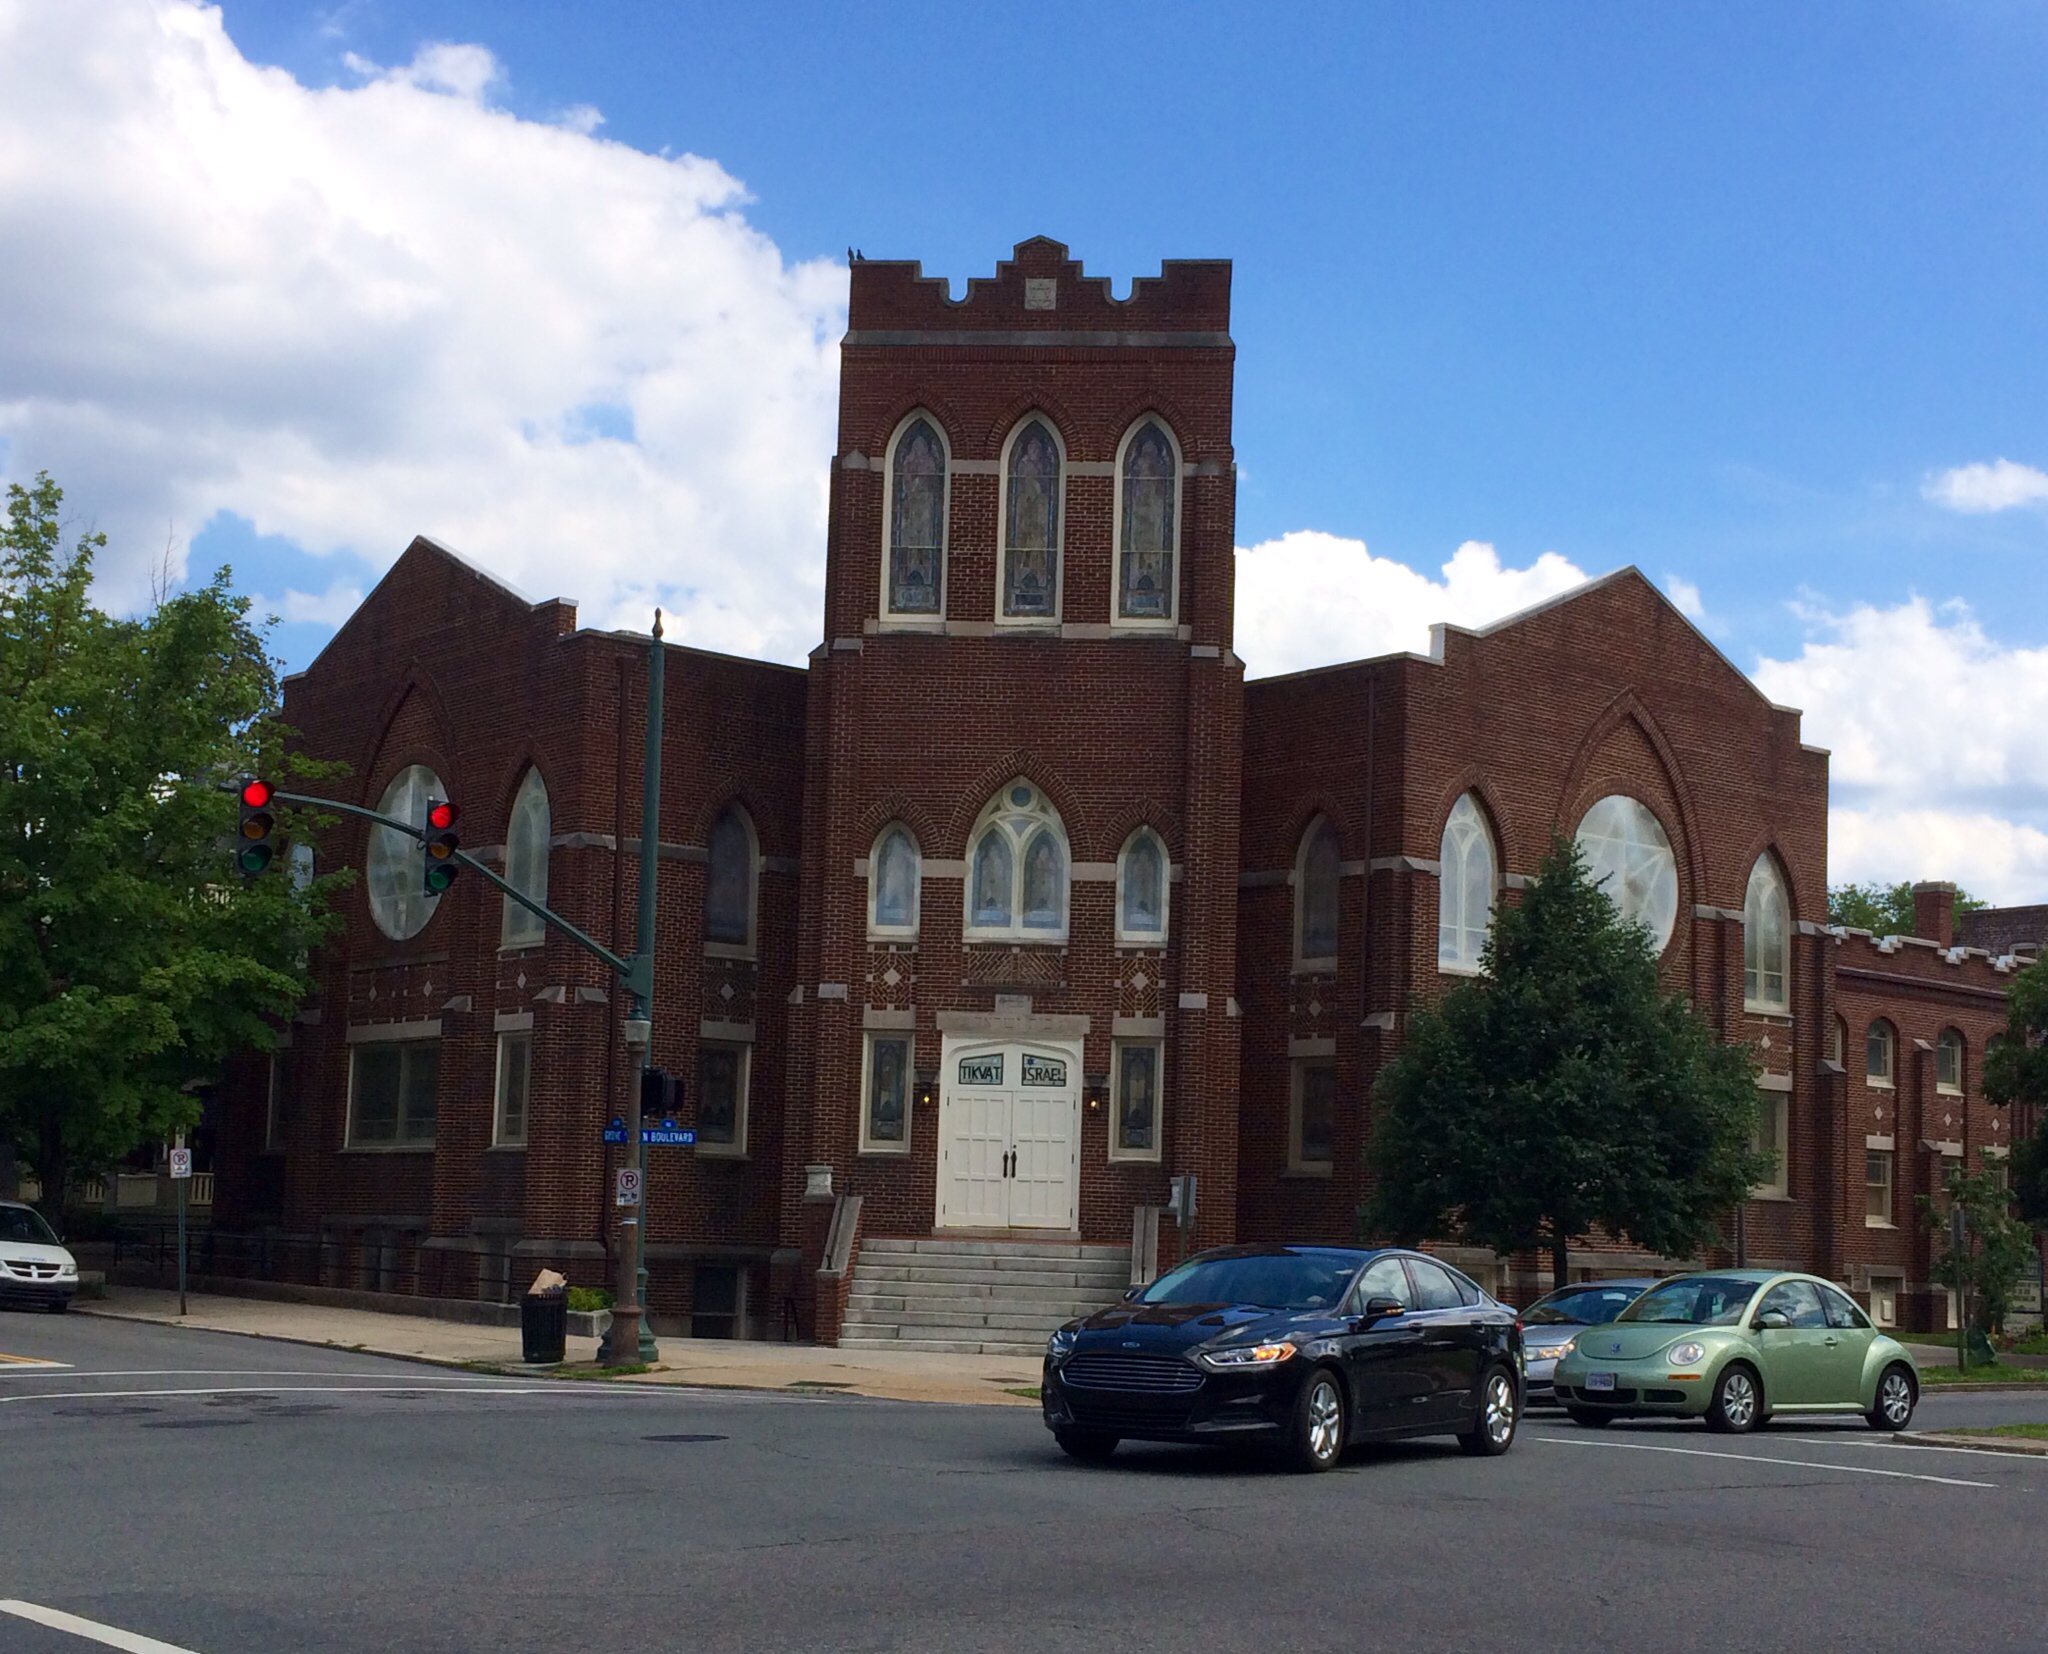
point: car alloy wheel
(1494, 1428)
(1895, 1400)
(1318, 1424)
(1737, 1403)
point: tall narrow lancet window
(1766, 939)
(1017, 869)
(1149, 524)
(526, 863)
(917, 521)
(1141, 890)
(893, 877)
(1316, 873)
(1031, 526)
(1465, 888)
(729, 882)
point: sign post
(181, 1175)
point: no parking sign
(629, 1186)
(181, 1162)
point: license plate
(1599, 1381)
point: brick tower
(1023, 738)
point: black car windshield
(1269, 1280)
(22, 1223)
(1589, 1306)
(1693, 1301)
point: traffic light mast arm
(626, 968)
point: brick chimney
(1934, 911)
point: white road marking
(272, 1389)
(109, 1636)
(1758, 1458)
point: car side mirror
(1772, 1320)
(1378, 1309)
(1131, 1294)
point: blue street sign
(667, 1135)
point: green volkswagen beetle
(1735, 1347)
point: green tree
(132, 960)
(1883, 910)
(1562, 1091)
(2016, 1071)
(1997, 1247)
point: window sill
(506, 1148)
(1134, 1157)
(727, 950)
(935, 624)
(389, 1148)
(892, 938)
(508, 950)
(1445, 968)
(1948, 1091)
(1879, 1223)
(1314, 1174)
(1015, 939)
(1315, 967)
(1141, 943)
(1770, 1013)
(1878, 1085)
(1772, 1196)
(720, 1151)
(885, 1151)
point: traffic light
(657, 1094)
(441, 845)
(253, 848)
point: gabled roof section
(1614, 581)
(408, 564)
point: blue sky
(1711, 289)
(1747, 295)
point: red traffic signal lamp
(441, 844)
(254, 850)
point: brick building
(1018, 901)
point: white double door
(1010, 1135)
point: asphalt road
(226, 1496)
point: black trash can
(544, 1326)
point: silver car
(1553, 1321)
(35, 1268)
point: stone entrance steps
(968, 1297)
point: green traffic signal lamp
(254, 850)
(440, 844)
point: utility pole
(629, 1339)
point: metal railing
(133, 1192)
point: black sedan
(1309, 1348)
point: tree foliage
(1997, 1249)
(2016, 1071)
(132, 960)
(1563, 1091)
(1883, 910)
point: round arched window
(1628, 855)
(394, 875)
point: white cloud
(1976, 489)
(1685, 597)
(354, 314)
(1312, 599)
(328, 608)
(1938, 768)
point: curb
(107, 1312)
(2033, 1387)
(1977, 1444)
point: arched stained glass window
(526, 862)
(1628, 855)
(1017, 868)
(893, 875)
(1465, 887)
(1315, 897)
(1141, 889)
(1044, 883)
(1148, 531)
(392, 875)
(1766, 939)
(917, 521)
(1031, 525)
(993, 881)
(729, 881)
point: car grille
(1129, 1417)
(27, 1269)
(1665, 1396)
(1613, 1398)
(1151, 1375)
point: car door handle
(1831, 1341)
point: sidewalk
(906, 1375)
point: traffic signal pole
(629, 1339)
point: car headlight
(1548, 1352)
(68, 1267)
(1248, 1355)
(1687, 1354)
(1060, 1345)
